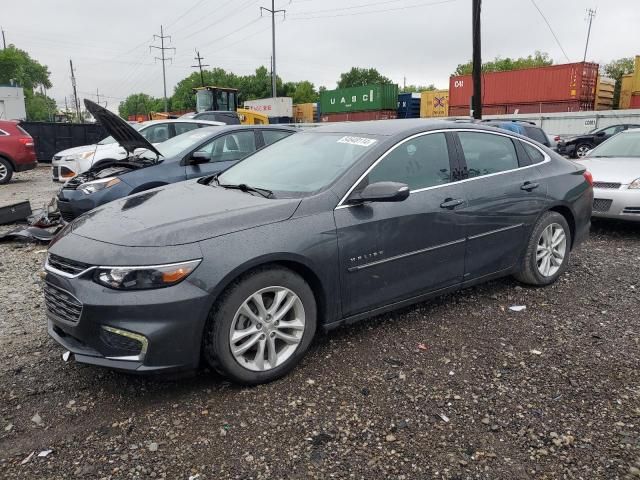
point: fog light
(125, 341)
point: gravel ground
(461, 387)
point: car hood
(120, 130)
(619, 170)
(180, 213)
(81, 149)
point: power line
(352, 7)
(163, 59)
(273, 13)
(189, 10)
(368, 12)
(590, 13)
(223, 19)
(200, 65)
(550, 29)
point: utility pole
(273, 12)
(97, 97)
(590, 13)
(4, 41)
(163, 59)
(200, 65)
(76, 101)
(476, 101)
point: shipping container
(409, 105)
(626, 90)
(515, 108)
(359, 99)
(635, 83)
(305, 112)
(435, 103)
(272, 107)
(557, 83)
(635, 100)
(359, 116)
(604, 93)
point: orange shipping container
(434, 103)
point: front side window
(612, 130)
(486, 153)
(183, 127)
(231, 147)
(419, 163)
(272, 136)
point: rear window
(22, 130)
(537, 134)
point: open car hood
(120, 130)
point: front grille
(634, 210)
(120, 344)
(62, 304)
(606, 185)
(66, 265)
(601, 204)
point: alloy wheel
(582, 150)
(267, 329)
(3, 172)
(551, 250)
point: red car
(17, 152)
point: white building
(12, 103)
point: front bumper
(73, 203)
(144, 331)
(61, 171)
(566, 149)
(621, 203)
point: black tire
(585, 146)
(216, 346)
(529, 272)
(6, 171)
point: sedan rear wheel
(261, 326)
(6, 171)
(547, 253)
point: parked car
(74, 161)
(198, 152)
(553, 141)
(579, 145)
(528, 129)
(615, 166)
(17, 152)
(323, 228)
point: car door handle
(528, 186)
(451, 203)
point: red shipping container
(557, 83)
(635, 101)
(359, 116)
(548, 107)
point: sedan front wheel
(261, 327)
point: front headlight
(146, 277)
(97, 185)
(635, 183)
(79, 156)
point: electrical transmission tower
(590, 14)
(200, 65)
(163, 59)
(273, 12)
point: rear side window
(272, 136)
(183, 127)
(486, 153)
(537, 134)
(535, 155)
(420, 163)
(22, 130)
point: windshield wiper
(243, 187)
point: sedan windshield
(108, 140)
(300, 164)
(622, 145)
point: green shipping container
(359, 99)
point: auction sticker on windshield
(360, 141)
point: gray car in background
(323, 228)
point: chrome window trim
(4, 133)
(547, 159)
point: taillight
(556, 138)
(26, 141)
(588, 177)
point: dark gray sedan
(325, 227)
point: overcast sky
(422, 40)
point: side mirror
(198, 158)
(381, 192)
(600, 134)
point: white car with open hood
(74, 161)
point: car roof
(228, 128)
(181, 120)
(399, 127)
